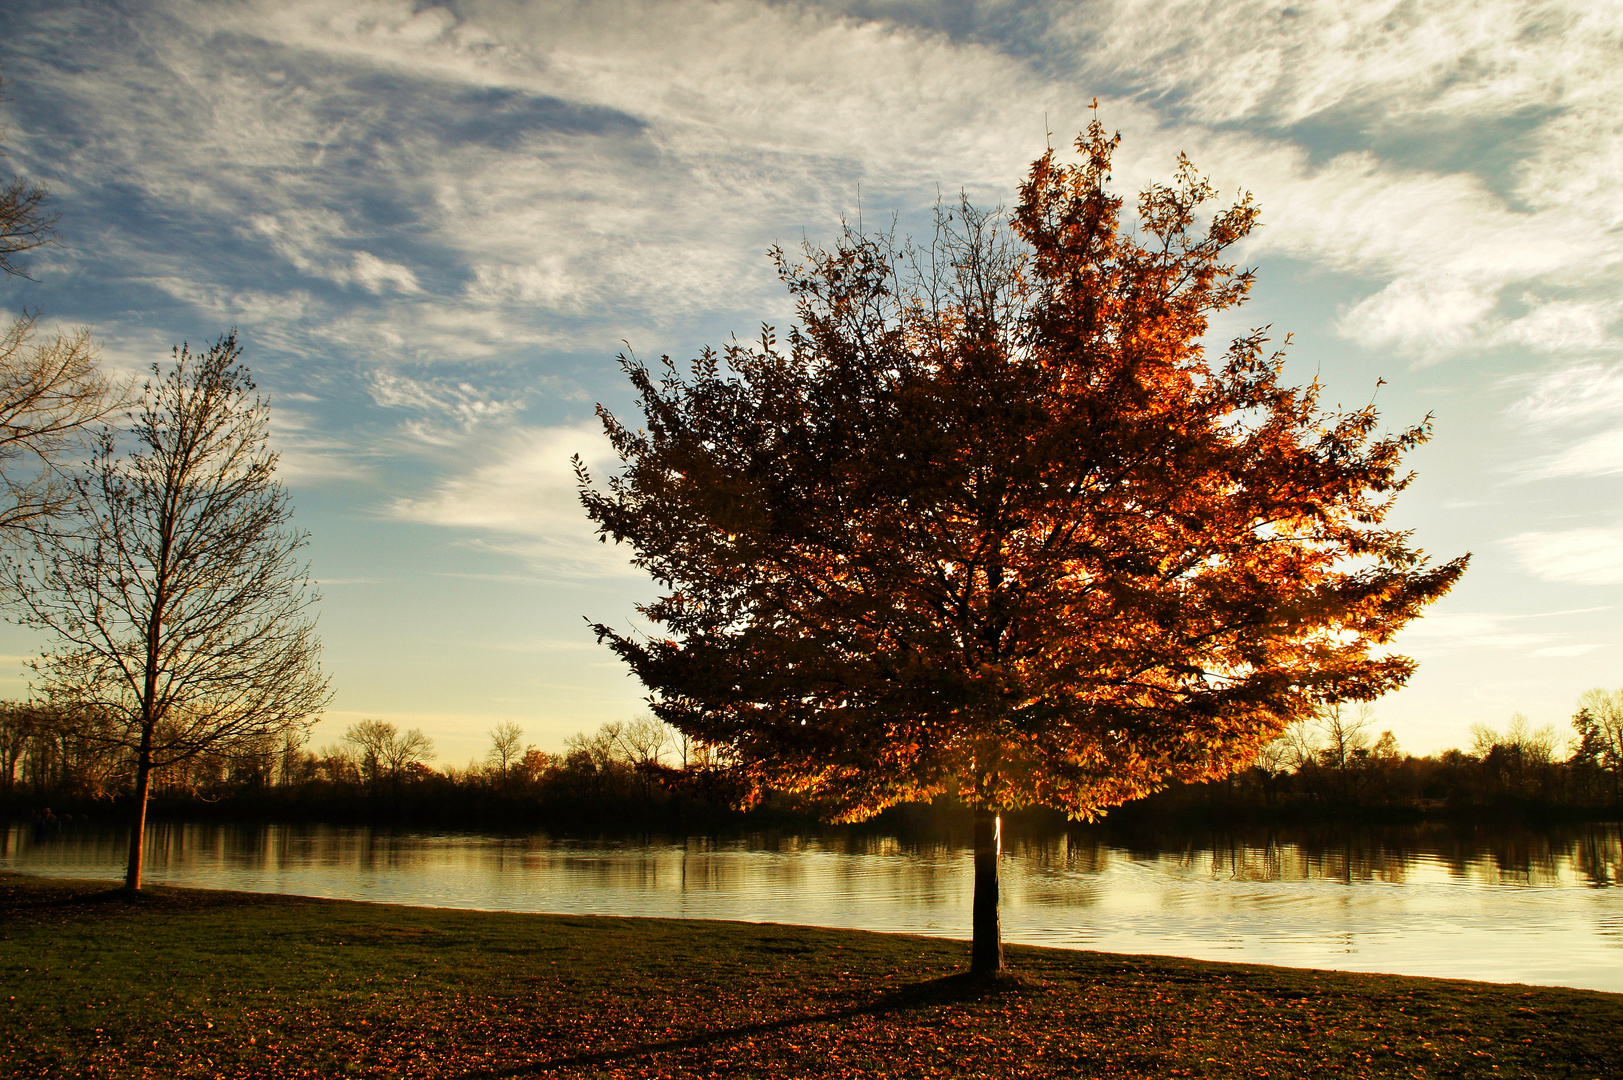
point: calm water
(1506, 906)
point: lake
(1505, 905)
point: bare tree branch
(51, 393)
(24, 222)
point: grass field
(183, 983)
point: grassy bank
(192, 983)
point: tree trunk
(986, 949)
(138, 831)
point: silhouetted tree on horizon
(1599, 727)
(385, 754)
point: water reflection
(1423, 900)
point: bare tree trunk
(986, 948)
(143, 779)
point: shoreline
(184, 982)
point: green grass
(183, 983)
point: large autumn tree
(993, 522)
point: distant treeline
(625, 775)
(642, 774)
(1332, 767)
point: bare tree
(338, 764)
(1599, 724)
(601, 749)
(1386, 749)
(643, 742)
(383, 752)
(506, 740)
(292, 759)
(179, 605)
(1278, 756)
(363, 744)
(1520, 740)
(1344, 729)
(16, 728)
(1607, 711)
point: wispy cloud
(1596, 455)
(1579, 393)
(1587, 556)
(522, 500)
(544, 168)
(1428, 319)
(1576, 413)
(444, 409)
(1566, 650)
(1468, 154)
(1433, 319)
(310, 454)
(1442, 633)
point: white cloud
(1442, 633)
(1433, 320)
(379, 275)
(312, 454)
(1496, 128)
(1427, 319)
(1359, 214)
(1381, 60)
(524, 497)
(1438, 634)
(1567, 405)
(1566, 650)
(1587, 556)
(312, 464)
(1563, 326)
(650, 155)
(448, 408)
(553, 164)
(1597, 455)
(714, 122)
(1577, 393)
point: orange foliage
(994, 522)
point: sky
(436, 225)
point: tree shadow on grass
(947, 990)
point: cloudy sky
(436, 225)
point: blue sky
(436, 225)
